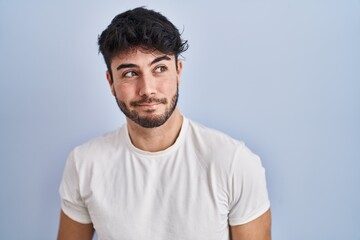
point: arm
(72, 230)
(258, 229)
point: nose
(147, 85)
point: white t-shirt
(195, 189)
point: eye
(129, 74)
(160, 69)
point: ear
(111, 82)
(179, 70)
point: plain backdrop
(281, 75)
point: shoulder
(211, 140)
(220, 148)
(98, 147)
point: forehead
(139, 55)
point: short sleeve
(72, 203)
(248, 197)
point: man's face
(145, 85)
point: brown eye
(130, 74)
(160, 69)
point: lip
(148, 105)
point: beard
(151, 121)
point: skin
(140, 74)
(72, 230)
(258, 229)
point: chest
(169, 198)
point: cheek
(169, 87)
(123, 92)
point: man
(161, 176)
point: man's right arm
(72, 230)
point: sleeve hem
(252, 216)
(84, 219)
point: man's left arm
(258, 229)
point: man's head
(140, 28)
(141, 49)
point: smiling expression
(145, 85)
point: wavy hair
(140, 27)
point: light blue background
(282, 75)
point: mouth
(148, 102)
(147, 105)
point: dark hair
(140, 27)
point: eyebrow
(131, 65)
(126, 65)
(158, 59)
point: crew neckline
(174, 147)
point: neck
(156, 139)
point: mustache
(148, 100)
